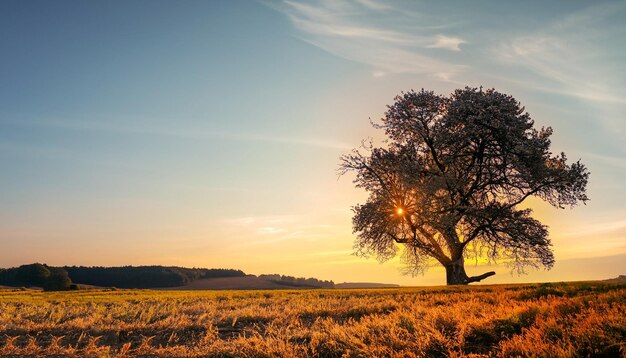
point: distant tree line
(70, 277)
(63, 278)
(144, 276)
(37, 275)
(298, 282)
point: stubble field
(560, 320)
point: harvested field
(561, 319)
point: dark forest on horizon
(71, 277)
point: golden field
(558, 320)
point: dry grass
(558, 320)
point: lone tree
(448, 185)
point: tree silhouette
(58, 280)
(32, 275)
(448, 185)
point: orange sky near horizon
(208, 134)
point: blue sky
(208, 133)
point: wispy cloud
(333, 253)
(617, 226)
(368, 32)
(261, 221)
(276, 228)
(617, 162)
(447, 42)
(572, 58)
(374, 5)
(103, 126)
(594, 238)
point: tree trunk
(455, 273)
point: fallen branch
(480, 277)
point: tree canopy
(449, 182)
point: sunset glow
(208, 134)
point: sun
(400, 211)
